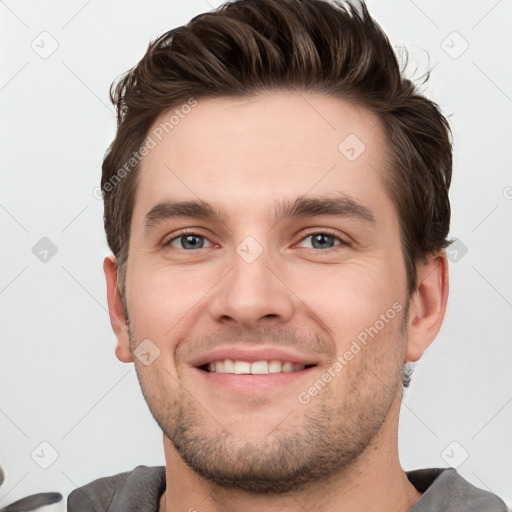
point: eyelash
(327, 232)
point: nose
(253, 293)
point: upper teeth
(257, 367)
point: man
(276, 201)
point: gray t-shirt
(444, 490)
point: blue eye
(188, 241)
(323, 240)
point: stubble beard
(328, 440)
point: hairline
(389, 159)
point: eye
(323, 240)
(187, 241)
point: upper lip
(238, 353)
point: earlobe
(116, 311)
(428, 306)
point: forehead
(253, 151)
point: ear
(428, 305)
(115, 308)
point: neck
(375, 481)
(397, 494)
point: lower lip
(253, 383)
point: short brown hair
(247, 47)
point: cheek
(347, 298)
(363, 313)
(160, 299)
(350, 297)
(160, 386)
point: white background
(59, 379)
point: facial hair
(320, 441)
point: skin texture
(237, 447)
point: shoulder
(446, 490)
(139, 489)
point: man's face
(255, 287)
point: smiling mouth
(254, 367)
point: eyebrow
(300, 207)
